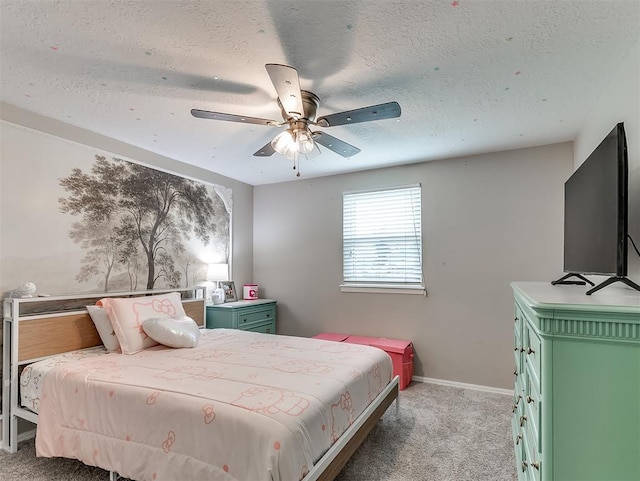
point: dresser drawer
(532, 464)
(264, 327)
(246, 319)
(533, 410)
(518, 410)
(517, 346)
(532, 352)
(524, 474)
(518, 444)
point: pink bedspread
(240, 406)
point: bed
(297, 408)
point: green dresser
(576, 409)
(257, 316)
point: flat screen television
(595, 215)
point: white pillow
(128, 314)
(173, 331)
(103, 326)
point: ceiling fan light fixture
(283, 143)
(292, 142)
(303, 140)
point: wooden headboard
(46, 334)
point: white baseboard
(463, 385)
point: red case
(401, 352)
(331, 336)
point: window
(382, 240)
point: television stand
(611, 280)
(563, 280)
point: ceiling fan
(298, 109)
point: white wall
(242, 221)
(487, 220)
(620, 102)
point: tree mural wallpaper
(136, 225)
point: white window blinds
(382, 237)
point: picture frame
(229, 288)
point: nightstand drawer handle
(269, 314)
(530, 351)
(515, 372)
(244, 320)
(530, 399)
(518, 439)
(536, 465)
(524, 466)
(523, 419)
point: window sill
(384, 289)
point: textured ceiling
(471, 76)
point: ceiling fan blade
(365, 114)
(206, 114)
(265, 151)
(287, 84)
(337, 145)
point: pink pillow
(128, 314)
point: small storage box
(331, 336)
(401, 352)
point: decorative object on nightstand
(229, 288)
(250, 292)
(257, 316)
(217, 273)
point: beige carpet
(443, 434)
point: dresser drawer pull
(522, 349)
(536, 465)
(269, 314)
(530, 351)
(524, 466)
(523, 419)
(515, 372)
(244, 320)
(516, 319)
(516, 349)
(518, 438)
(515, 406)
(530, 399)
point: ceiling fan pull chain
(296, 163)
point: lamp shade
(218, 272)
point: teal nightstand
(257, 316)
